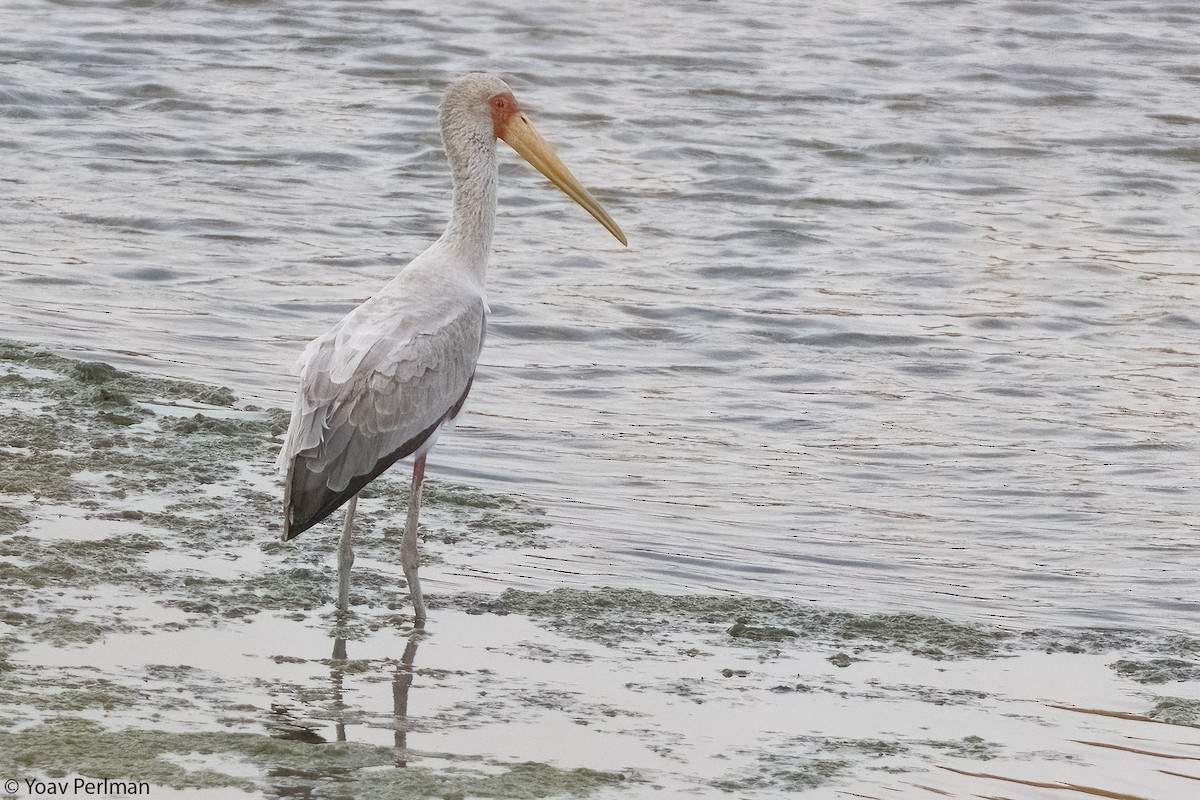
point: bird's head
(480, 108)
(476, 110)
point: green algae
(61, 690)
(11, 520)
(215, 396)
(69, 447)
(463, 496)
(464, 514)
(251, 429)
(742, 629)
(1176, 711)
(841, 660)
(788, 774)
(973, 747)
(72, 745)
(523, 530)
(66, 745)
(872, 748)
(804, 763)
(525, 781)
(102, 694)
(112, 560)
(94, 438)
(87, 381)
(42, 472)
(96, 372)
(85, 419)
(294, 589)
(1182, 646)
(184, 477)
(62, 628)
(613, 615)
(1157, 670)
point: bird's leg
(409, 559)
(346, 558)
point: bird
(394, 373)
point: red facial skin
(504, 107)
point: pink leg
(346, 557)
(409, 558)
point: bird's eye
(500, 103)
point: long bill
(522, 137)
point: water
(908, 320)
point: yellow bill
(522, 137)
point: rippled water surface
(908, 320)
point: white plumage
(382, 383)
(389, 370)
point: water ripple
(907, 320)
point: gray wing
(372, 391)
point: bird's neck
(473, 213)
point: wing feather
(372, 391)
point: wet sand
(156, 630)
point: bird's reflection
(402, 680)
(337, 674)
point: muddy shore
(154, 629)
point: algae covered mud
(155, 631)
